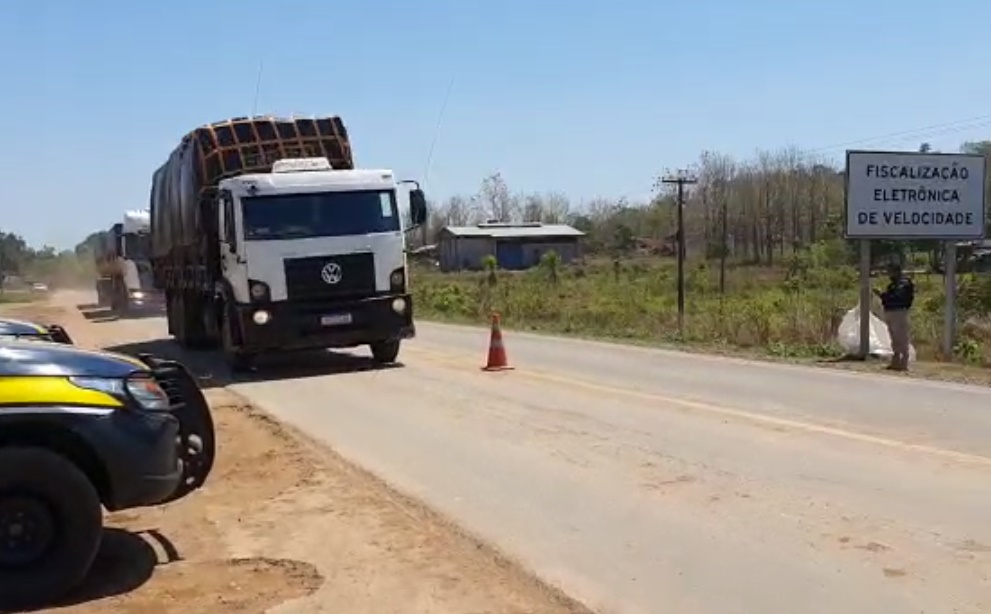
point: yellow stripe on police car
(51, 390)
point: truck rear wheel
(210, 324)
(51, 524)
(103, 292)
(170, 313)
(192, 322)
(385, 352)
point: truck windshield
(320, 214)
(137, 246)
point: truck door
(230, 261)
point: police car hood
(10, 326)
(45, 358)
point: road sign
(910, 195)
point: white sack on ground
(848, 336)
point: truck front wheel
(385, 352)
(237, 359)
(51, 525)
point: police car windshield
(321, 214)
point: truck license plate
(337, 319)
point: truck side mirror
(417, 207)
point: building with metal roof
(515, 246)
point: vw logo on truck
(331, 273)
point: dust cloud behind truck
(123, 265)
(265, 238)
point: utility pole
(681, 180)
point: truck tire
(385, 352)
(122, 303)
(102, 293)
(51, 525)
(170, 313)
(179, 319)
(237, 359)
(193, 324)
(210, 324)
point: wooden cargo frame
(246, 145)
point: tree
(760, 210)
(496, 200)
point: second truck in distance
(123, 265)
(266, 239)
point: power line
(915, 134)
(433, 140)
(932, 130)
(258, 87)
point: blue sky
(589, 98)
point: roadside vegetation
(21, 265)
(767, 269)
(780, 311)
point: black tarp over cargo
(184, 241)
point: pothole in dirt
(254, 584)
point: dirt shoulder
(285, 525)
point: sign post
(865, 299)
(913, 196)
(950, 283)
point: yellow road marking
(460, 360)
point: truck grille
(306, 279)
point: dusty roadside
(287, 526)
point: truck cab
(313, 257)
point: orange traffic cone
(497, 351)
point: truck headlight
(137, 295)
(261, 317)
(397, 280)
(399, 305)
(142, 389)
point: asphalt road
(645, 481)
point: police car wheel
(51, 524)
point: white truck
(123, 265)
(280, 252)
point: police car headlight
(146, 391)
(142, 389)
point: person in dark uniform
(897, 300)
